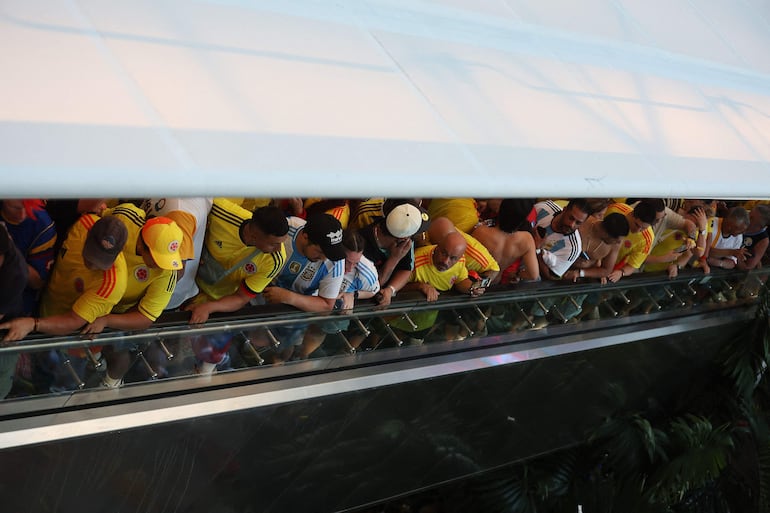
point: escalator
(490, 383)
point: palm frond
(745, 359)
(631, 443)
(699, 452)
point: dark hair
(271, 220)
(645, 212)
(383, 226)
(657, 203)
(512, 215)
(353, 241)
(581, 204)
(390, 203)
(764, 212)
(616, 225)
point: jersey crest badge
(141, 273)
(250, 268)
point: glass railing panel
(272, 337)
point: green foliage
(530, 487)
(631, 443)
(745, 359)
(697, 452)
(670, 462)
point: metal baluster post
(71, 370)
(147, 366)
(162, 343)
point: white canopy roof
(354, 98)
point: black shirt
(13, 276)
(378, 256)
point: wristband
(392, 290)
(582, 273)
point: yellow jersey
(426, 272)
(635, 246)
(668, 241)
(367, 212)
(223, 245)
(477, 256)
(149, 289)
(90, 293)
(461, 211)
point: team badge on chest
(250, 268)
(141, 273)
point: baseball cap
(406, 220)
(326, 231)
(189, 226)
(104, 242)
(163, 237)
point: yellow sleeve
(269, 266)
(157, 295)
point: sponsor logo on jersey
(294, 267)
(218, 243)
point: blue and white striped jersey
(323, 278)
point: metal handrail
(169, 324)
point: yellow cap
(163, 237)
(188, 224)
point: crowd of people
(79, 267)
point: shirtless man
(601, 240)
(506, 245)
